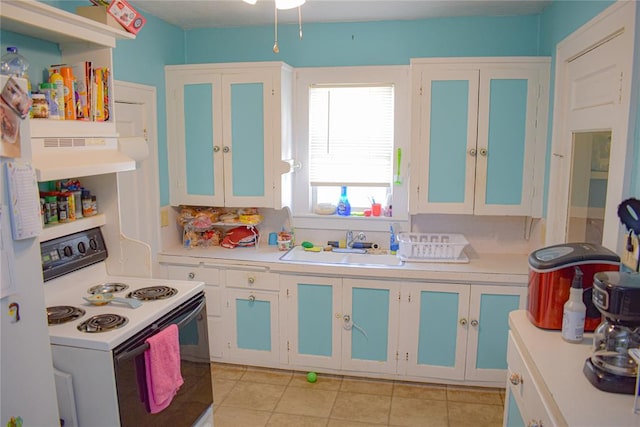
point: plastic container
(344, 207)
(431, 246)
(13, 64)
(573, 315)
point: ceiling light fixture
(283, 5)
(289, 4)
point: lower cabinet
(457, 331)
(252, 316)
(338, 323)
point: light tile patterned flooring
(248, 397)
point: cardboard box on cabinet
(98, 14)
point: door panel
(199, 140)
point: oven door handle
(144, 347)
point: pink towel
(162, 368)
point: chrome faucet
(351, 238)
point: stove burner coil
(153, 293)
(63, 313)
(107, 288)
(103, 323)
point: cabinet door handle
(535, 423)
(226, 149)
(484, 152)
(192, 275)
(251, 280)
(252, 298)
(463, 322)
(346, 318)
(216, 148)
(515, 379)
(472, 152)
(474, 323)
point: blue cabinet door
(513, 418)
(369, 325)
(489, 330)
(313, 307)
(434, 331)
(254, 329)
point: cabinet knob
(535, 423)
(192, 275)
(463, 322)
(346, 318)
(251, 280)
(216, 148)
(483, 152)
(226, 149)
(515, 379)
(472, 152)
(252, 298)
(474, 323)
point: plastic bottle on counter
(574, 312)
(344, 207)
(13, 64)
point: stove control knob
(93, 244)
(82, 248)
(67, 251)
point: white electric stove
(98, 351)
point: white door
(593, 79)
(138, 190)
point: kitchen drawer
(525, 388)
(252, 280)
(208, 275)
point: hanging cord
(300, 21)
(276, 49)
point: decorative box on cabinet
(457, 331)
(252, 316)
(479, 135)
(347, 324)
(229, 134)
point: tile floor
(248, 397)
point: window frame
(399, 76)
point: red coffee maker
(551, 272)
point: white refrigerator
(27, 386)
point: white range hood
(60, 158)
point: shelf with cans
(66, 206)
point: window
(348, 123)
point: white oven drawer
(208, 275)
(249, 279)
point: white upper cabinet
(478, 135)
(229, 134)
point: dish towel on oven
(162, 368)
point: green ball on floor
(312, 377)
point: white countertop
(560, 364)
(489, 268)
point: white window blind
(351, 135)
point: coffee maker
(610, 367)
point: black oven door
(196, 394)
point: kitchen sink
(298, 254)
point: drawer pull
(474, 323)
(251, 280)
(535, 423)
(192, 275)
(252, 298)
(463, 322)
(515, 379)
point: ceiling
(190, 14)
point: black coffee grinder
(610, 367)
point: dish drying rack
(432, 247)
